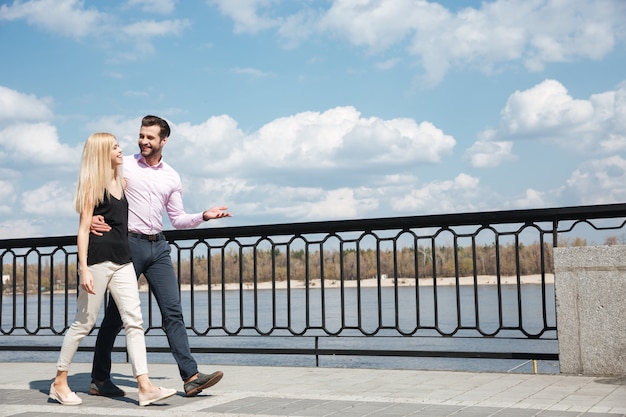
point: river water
(386, 311)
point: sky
(311, 110)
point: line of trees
(237, 266)
(247, 265)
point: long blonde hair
(95, 173)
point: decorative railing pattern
(386, 287)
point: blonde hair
(95, 173)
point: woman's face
(116, 155)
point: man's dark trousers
(151, 258)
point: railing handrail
(602, 211)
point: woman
(105, 263)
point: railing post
(317, 355)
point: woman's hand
(86, 281)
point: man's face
(150, 143)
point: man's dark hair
(155, 120)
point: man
(152, 186)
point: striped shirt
(150, 190)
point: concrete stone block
(590, 288)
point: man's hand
(98, 225)
(215, 213)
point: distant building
(6, 280)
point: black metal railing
(404, 286)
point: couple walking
(119, 238)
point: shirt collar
(142, 160)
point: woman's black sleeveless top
(112, 245)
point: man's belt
(151, 238)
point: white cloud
(16, 106)
(388, 64)
(316, 203)
(37, 143)
(125, 130)
(620, 108)
(544, 108)
(379, 25)
(154, 6)
(598, 181)
(339, 204)
(531, 32)
(549, 113)
(340, 138)
(447, 196)
(256, 73)
(296, 28)
(228, 187)
(531, 199)
(152, 28)
(489, 154)
(246, 14)
(7, 196)
(20, 228)
(44, 211)
(203, 148)
(309, 166)
(583, 29)
(534, 32)
(53, 198)
(307, 144)
(72, 19)
(65, 17)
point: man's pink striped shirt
(149, 190)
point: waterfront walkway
(292, 391)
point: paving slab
(316, 392)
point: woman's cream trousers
(121, 282)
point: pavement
(314, 392)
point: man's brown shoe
(195, 387)
(105, 388)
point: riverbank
(364, 283)
(373, 282)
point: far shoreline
(373, 282)
(364, 283)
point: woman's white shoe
(152, 397)
(71, 399)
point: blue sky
(295, 111)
